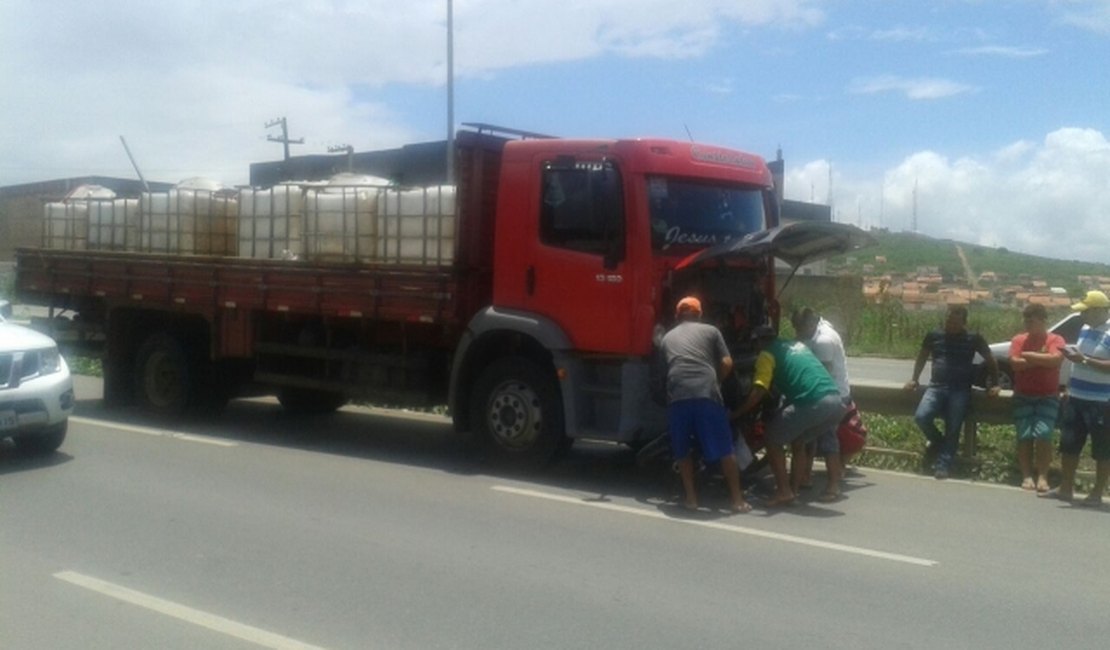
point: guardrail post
(971, 435)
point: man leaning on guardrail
(948, 395)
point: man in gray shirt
(697, 361)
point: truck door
(577, 275)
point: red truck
(540, 329)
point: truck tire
(164, 377)
(310, 401)
(43, 443)
(517, 412)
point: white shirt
(829, 349)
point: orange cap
(688, 304)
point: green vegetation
(887, 328)
(905, 252)
(895, 443)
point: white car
(1067, 327)
(36, 390)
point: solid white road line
(177, 435)
(187, 614)
(716, 525)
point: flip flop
(1028, 484)
(1091, 501)
(1054, 493)
(780, 502)
(830, 497)
(742, 509)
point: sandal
(1054, 493)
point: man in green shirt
(811, 402)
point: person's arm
(761, 383)
(992, 366)
(1017, 357)
(918, 366)
(754, 398)
(724, 368)
(1051, 357)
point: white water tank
(417, 226)
(270, 222)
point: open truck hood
(796, 244)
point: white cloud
(901, 34)
(1004, 51)
(922, 88)
(191, 83)
(1092, 15)
(1049, 198)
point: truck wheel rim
(515, 416)
(163, 383)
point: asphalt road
(368, 530)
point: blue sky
(998, 112)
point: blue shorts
(1035, 417)
(1082, 418)
(703, 420)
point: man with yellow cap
(697, 361)
(1088, 400)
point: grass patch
(895, 443)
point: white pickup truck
(36, 390)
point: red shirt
(1037, 381)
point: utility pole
(450, 93)
(915, 205)
(284, 139)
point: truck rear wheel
(310, 401)
(517, 412)
(163, 376)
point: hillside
(904, 253)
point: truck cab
(595, 241)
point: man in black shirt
(949, 392)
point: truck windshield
(694, 214)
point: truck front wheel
(163, 376)
(517, 412)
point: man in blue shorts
(1088, 399)
(697, 361)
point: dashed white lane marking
(150, 431)
(717, 525)
(187, 614)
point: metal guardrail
(889, 398)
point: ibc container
(188, 221)
(417, 226)
(270, 222)
(113, 224)
(340, 224)
(66, 225)
(66, 222)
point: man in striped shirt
(1085, 410)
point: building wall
(21, 206)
